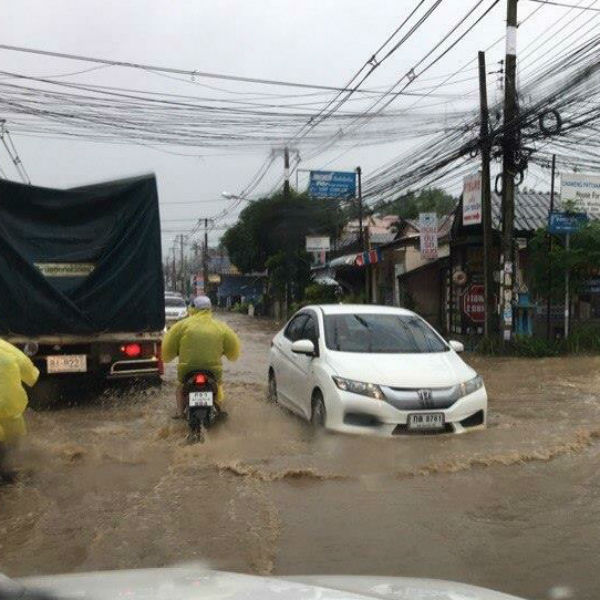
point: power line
(175, 70)
(562, 4)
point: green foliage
(585, 339)
(288, 271)
(272, 225)
(320, 294)
(270, 234)
(240, 307)
(410, 205)
(358, 298)
(582, 259)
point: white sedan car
(175, 309)
(373, 369)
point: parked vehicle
(81, 278)
(373, 369)
(171, 294)
(175, 309)
(200, 389)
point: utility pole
(361, 238)
(182, 264)
(286, 173)
(361, 232)
(508, 171)
(486, 199)
(549, 299)
(567, 293)
(286, 198)
(205, 256)
(174, 269)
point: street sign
(428, 230)
(197, 282)
(565, 223)
(474, 303)
(317, 244)
(582, 191)
(332, 184)
(472, 200)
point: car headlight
(468, 387)
(358, 387)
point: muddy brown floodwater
(110, 483)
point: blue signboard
(562, 223)
(592, 286)
(332, 184)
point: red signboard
(474, 303)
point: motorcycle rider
(15, 368)
(200, 341)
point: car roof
(372, 309)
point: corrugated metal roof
(381, 238)
(531, 210)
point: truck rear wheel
(45, 394)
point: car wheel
(319, 414)
(272, 393)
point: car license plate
(200, 399)
(426, 421)
(67, 363)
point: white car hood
(197, 583)
(435, 369)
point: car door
(301, 370)
(285, 366)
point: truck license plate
(200, 399)
(73, 363)
(426, 421)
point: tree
(582, 260)
(410, 205)
(270, 234)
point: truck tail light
(131, 350)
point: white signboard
(317, 244)
(428, 228)
(472, 200)
(583, 191)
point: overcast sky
(315, 41)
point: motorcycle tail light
(200, 379)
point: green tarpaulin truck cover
(80, 261)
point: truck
(81, 278)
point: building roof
(531, 209)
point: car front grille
(411, 399)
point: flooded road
(111, 483)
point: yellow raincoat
(15, 368)
(200, 341)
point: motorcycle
(200, 391)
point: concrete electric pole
(486, 200)
(510, 142)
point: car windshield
(381, 333)
(175, 303)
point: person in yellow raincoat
(15, 368)
(200, 341)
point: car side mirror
(456, 346)
(303, 347)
